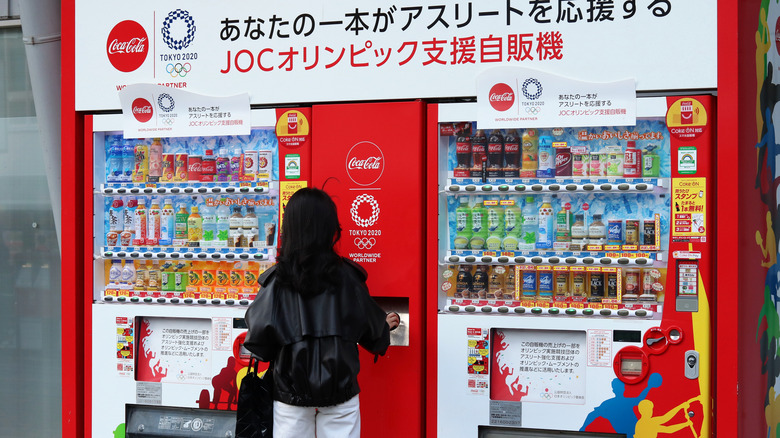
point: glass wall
(30, 334)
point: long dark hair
(307, 261)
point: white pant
(340, 421)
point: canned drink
(561, 284)
(545, 284)
(578, 284)
(167, 168)
(632, 232)
(194, 166)
(612, 285)
(250, 165)
(596, 286)
(180, 167)
(648, 233)
(615, 232)
(529, 284)
(632, 281)
(563, 162)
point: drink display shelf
(606, 185)
(232, 187)
(160, 253)
(513, 307)
(620, 258)
(109, 297)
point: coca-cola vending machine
(573, 266)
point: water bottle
(128, 160)
(114, 163)
(530, 224)
(209, 225)
(546, 222)
(223, 226)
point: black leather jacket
(312, 341)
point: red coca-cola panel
(369, 158)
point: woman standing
(311, 312)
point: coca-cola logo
(501, 97)
(127, 46)
(142, 110)
(365, 163)
(194, 166)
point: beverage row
(540, 156)
(496, 225)
(139, 162)
(555, 283)
(210, 223)
(149, 278)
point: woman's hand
(393, 320)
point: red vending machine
(574, 267)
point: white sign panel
(510, 97)
(545, 366)
(313, 51)
(157, 111)
(175, 350)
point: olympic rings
(532, 110)
(179, 69)
(365, 243)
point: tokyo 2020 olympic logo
(165, 102)
(178, 23)
(532, 89)
(356, 216)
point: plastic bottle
(180, 224)
(128, 234)
(463, 282)
(114, 163)
(236, 222)
(563, 224)
(546, 232)
(651, 162)
(463, 154)
(579, 233)
(597, 232)
(236, 162)
(128, 160)
(208, 170)
(168, 223)
(513, 222)
(495, 154)
(496, 283)
(510, 288)
(153, 275)
(462, 224)
(139, 223)
(530, 225)
(194, 227)
(128, 273)
(480, 283)
(546, 158)
(223, 226)
(209, 225)
(512, 154)
(478, 153)
(155, 160)
(495, 228)
(632, 161)
(141, 162)
(479, 226)
(530, 153)
(115, 273)
(223, 164)
(154, 223)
